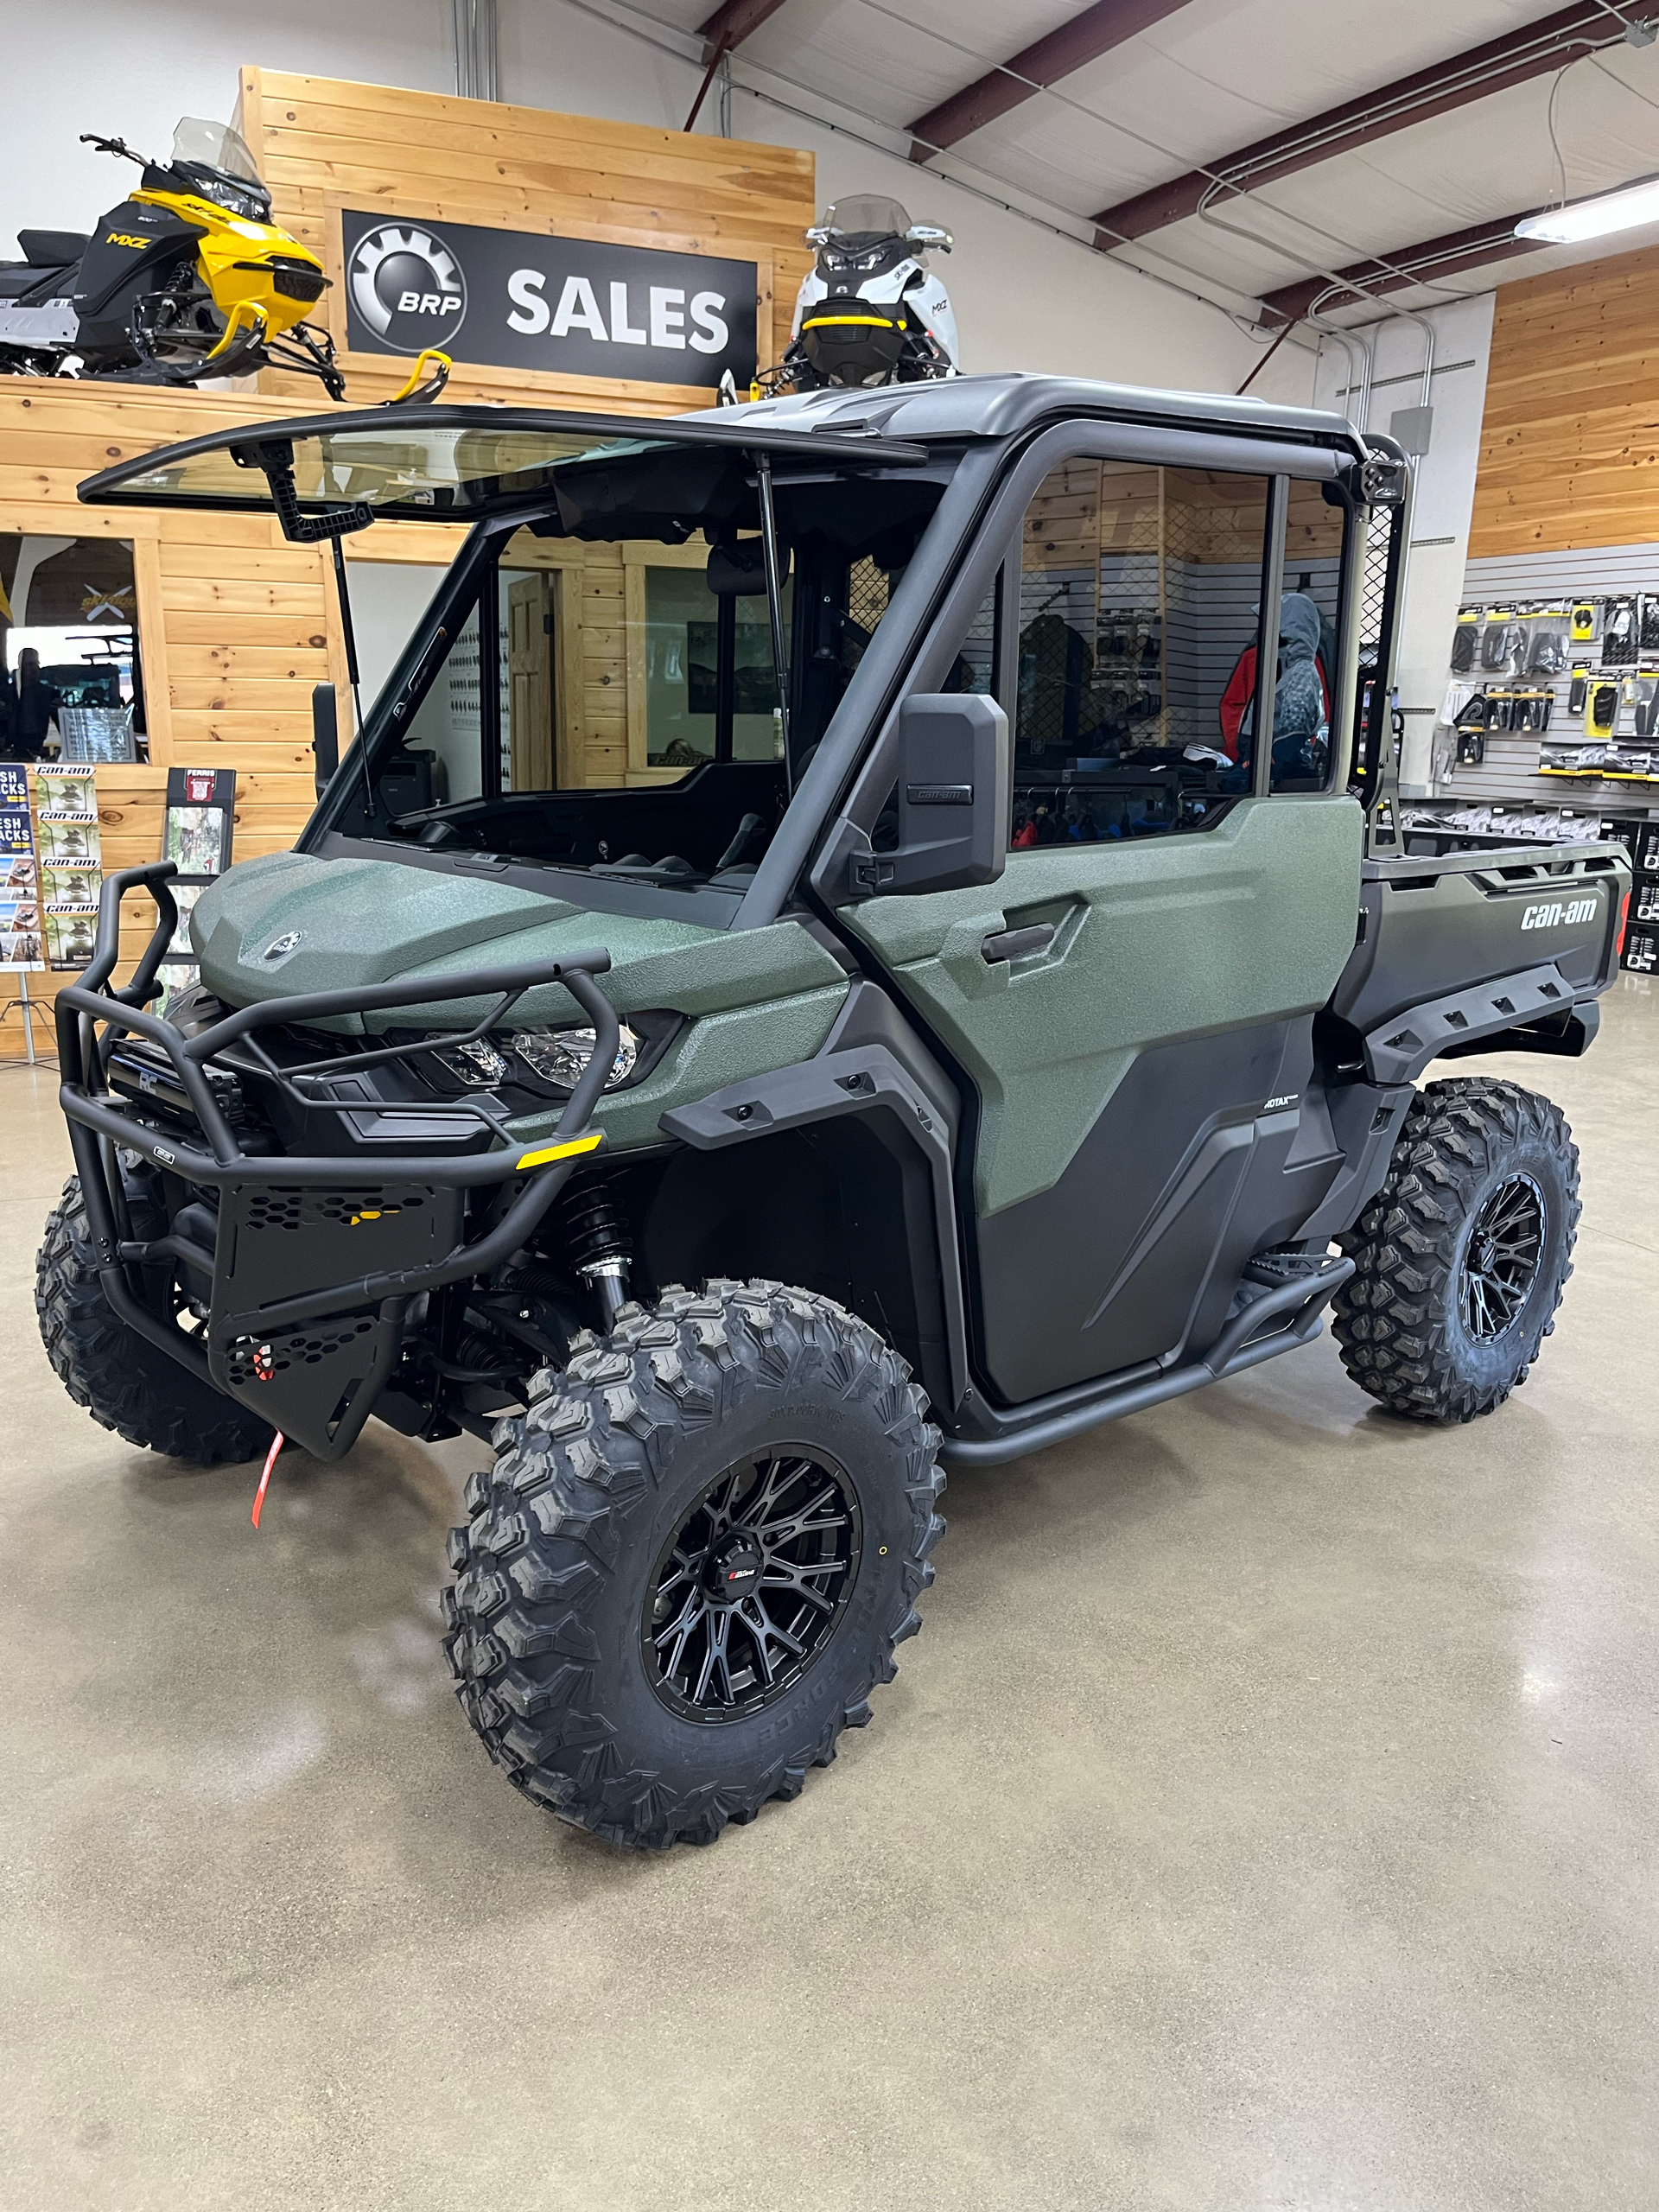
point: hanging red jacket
(1240, 691)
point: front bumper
(299, 1328)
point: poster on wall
(570, 307)
(200, 823)
(20, 909)
(71, 862)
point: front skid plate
(317, 1381)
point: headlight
(478, 1064)
(560, 1055)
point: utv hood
(292, 922)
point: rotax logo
(581, 307)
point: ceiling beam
(1064, 51)
(1422, 263)
(732, 23)
(1516, 58)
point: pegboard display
(1553, 683)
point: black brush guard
(299, 1331)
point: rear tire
(752, 1457)
(127, 1383)
(1461, 1257)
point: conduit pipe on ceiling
(475, 24)
(1351, 343)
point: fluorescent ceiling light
(1592, 218)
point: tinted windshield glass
(865, 214)
(215, 143)
(607, 701)
(429, 463)
(439, 468)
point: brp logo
(407, 286)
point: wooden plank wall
(235, 624)
(322, 143)
(1569, 451)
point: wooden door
(530, 675)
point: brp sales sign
(520, 300)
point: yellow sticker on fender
(566, 1151)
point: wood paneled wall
(1569, 451)
(236, 625)
(322, 144)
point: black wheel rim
(749, 1588)
(1502, 1258)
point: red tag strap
(276, 1442)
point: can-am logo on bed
(574, 307)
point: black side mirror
(325, 734)
(954, 796)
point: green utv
(1008, 1019)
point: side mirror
(325, 734)
(930, 237)
(953, 797)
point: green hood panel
(359, 922)
(756, 1000)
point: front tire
(124, 1381)
(1461, 1257)
(692, 1560)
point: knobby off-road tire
(125, 1381)
(1462, 1255)
(569, 1568)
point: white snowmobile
(870, 312)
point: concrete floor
(1266, 1818)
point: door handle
(1018, 944)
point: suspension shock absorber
(596, 1235)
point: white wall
(1025, 299)
(1445, 489)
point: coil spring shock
(600, 1247)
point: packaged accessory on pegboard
(1502, 642)
(1547, 652)
(1600, 708)
(1618, 630)
(1640, 951)
(1585, 622)
(1648, 634)
(1465, 640)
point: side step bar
(1299, 1303)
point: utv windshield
(609, 677)
(597, 686)
(432, 464)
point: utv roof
(427, 463)
(1005, 405)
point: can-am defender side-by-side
(1010, 1019)
(187, 278)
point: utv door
(1131, 1005)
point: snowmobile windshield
(215, 146)
(865, 216)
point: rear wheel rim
(749, 1589)
(1502, 1259)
